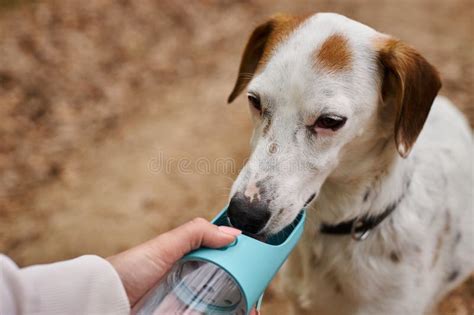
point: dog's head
(325, 94)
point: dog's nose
(247, 215)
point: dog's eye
(254, 101)
(332, 122)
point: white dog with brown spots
(337, 108)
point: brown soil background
(93, 93)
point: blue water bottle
(228, 280)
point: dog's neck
(366, 189)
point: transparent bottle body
(194, 288)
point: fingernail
(229, 230)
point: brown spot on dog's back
(437, 250)
(447, 222)
(439, 242)
(395, 257)
(452, 275)
(457, 238)
(334, 54)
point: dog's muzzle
(250, 216)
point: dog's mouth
(262, 237)
(256, 220)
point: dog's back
(444, 151)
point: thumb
(143, 266)
(173, 245)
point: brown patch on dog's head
(334, 54)
(412, 83)
(282, 26)
(260, 47)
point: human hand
(141, 267)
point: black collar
(359, 228)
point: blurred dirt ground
(94, 95)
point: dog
(337, 109)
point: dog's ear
(250, 59)
(259, 47)
(412, 83)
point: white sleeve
(87, 285)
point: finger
(254, 312)
(174, 244)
